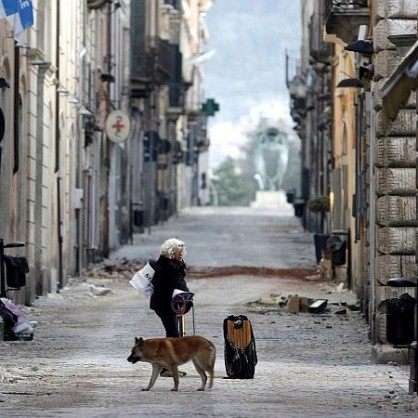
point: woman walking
(170, 272)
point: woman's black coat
(169, 275)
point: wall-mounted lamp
(85, 112)
(62, 90)
(74, 101)
(4, 83)
(350, 82)
(362, 47)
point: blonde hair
(171, 246)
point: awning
(19, 14)
(397, 89)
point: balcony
(151, 64)
(173, 3)
(161, 51)
(319, 50)
(344, 17)
(176, 96)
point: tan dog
(173, 352)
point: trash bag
(10, 320)
(16, 269)
(400, 318)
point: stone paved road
(309, 365)
(218, 237)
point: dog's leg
(210, 367)
(201, 372)
(211, 373)
(156, 369)
(175, 371)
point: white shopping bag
(141, 280)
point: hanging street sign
(118, 126)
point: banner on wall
(19, 13)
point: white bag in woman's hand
(141, 280)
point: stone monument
(270, 160)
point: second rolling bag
(240, 351)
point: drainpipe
(16, 110)
(93, 243)
(372, 220)
(57, 153)
(59, 232)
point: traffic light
(210, 107)
(151, 139)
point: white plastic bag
(141, 280)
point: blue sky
(246, 75)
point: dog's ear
(139, 341)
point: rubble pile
(121, 269)
(294, 304)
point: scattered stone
(293, 305)
(341, 312)
(340, 287)
(96, 291)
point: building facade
(104, 133)
(360, 57)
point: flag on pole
(19, 13)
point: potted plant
(319, 204)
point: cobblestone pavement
(309, 365)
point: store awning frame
(397, 88)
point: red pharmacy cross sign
(118, 126)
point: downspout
(57, 153)
(16, 110)
(372, 220)
(107, 147)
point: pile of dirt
(126, 269)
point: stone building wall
(395, 167)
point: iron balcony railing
(343, 18)
(162, 54)
(343, 4)
(174, 3)
(176, 94)
(319, 50)
(151, 60)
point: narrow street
(242, 261)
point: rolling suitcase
(240, 351)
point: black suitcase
(240, 352)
